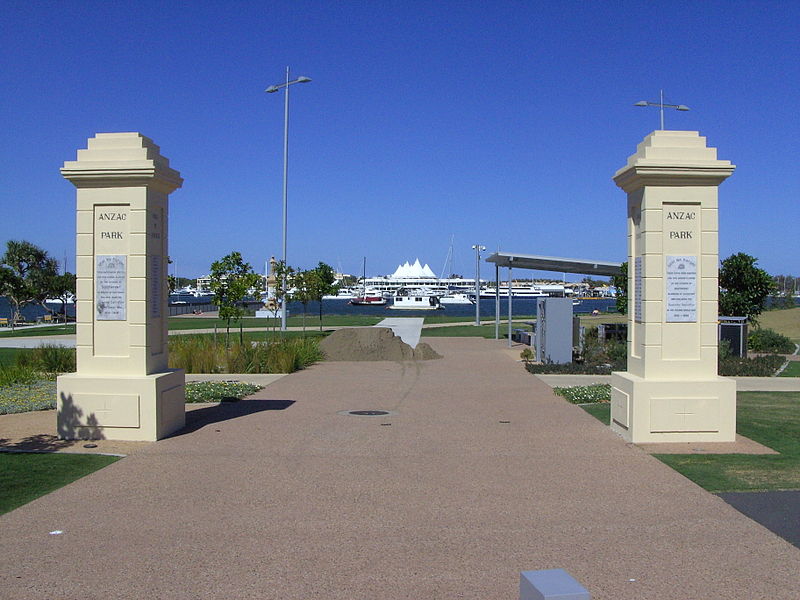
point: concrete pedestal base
(649, 411)
(143, 408)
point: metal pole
(509, 307)
(285, 194)
(496, 301)
(662, 110)
(478, 249)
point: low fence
(188, 308)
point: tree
(321, 284)
(232, 280)
(62, 287)
(283, 275)
(743, 287)
(620, 282)
(25, 273)
(301, 283)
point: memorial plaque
(681, 292)
(638, 286)
(110, 277)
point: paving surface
(479, 473)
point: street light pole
(478, 249)
(661, 105)
(271, 89)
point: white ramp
(407, 329)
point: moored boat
(406, 299)
(457, 298)
(368, 298)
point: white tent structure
(415, 271)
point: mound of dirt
(373, 343)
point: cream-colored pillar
(123, 388)
(671, 391)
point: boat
(343, 293)
(457, 298)
(408, 299)
(367, 296)
(531, 291)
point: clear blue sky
(498, 123)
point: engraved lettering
(680, 215)
(110, 235)
(112, 216)
(680, 235)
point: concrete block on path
(550, 584)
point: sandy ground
(478, 472)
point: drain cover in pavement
(368, 413)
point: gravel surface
(478, 473)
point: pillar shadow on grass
(225, 411)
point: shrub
(199, 354)
(194, 354)
(759, 366)
(49, 358)
(526, 355)
(585, 394)
(308, 351)
(218, 391)
(17, 374)
(767, 340)
(570, 369)
(609, 355)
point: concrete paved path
(407, 329)
(34, 341)
(478, 472)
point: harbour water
(520, 306)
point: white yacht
(457, 298)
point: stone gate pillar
(123, 388)
(671, 391)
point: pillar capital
(673, 158)
(121, 160)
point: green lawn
(68, 329)
(312, 320)
(784, 321)
(25, 477)
(770, 418)
(600, 411)
(792, 369)
(486, 331)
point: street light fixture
(478, 249)
(661, 105)
(271, 89)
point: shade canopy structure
(553, 263)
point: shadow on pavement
(37, 443)
(224, 411)
(777, 511)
